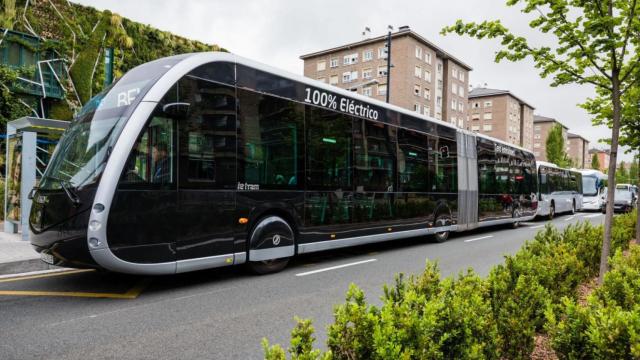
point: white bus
(594, 183)
(559, 190)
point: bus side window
(152, 162)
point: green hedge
(467, 317)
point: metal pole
(388, 64)
(108, 66)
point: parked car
(623, 201)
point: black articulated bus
(203, 160)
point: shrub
(518, 305)
(621, 285)
(301, 347)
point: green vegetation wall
(79, 34)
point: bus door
(206, 168)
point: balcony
(21, 51)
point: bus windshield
(589, 185)
(83, 150)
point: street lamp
(390, 28)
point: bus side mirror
(176, 109)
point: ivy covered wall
(79, 34)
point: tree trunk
(613, 156)
(638, 205)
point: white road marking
(479, 238)
(336, 267)
(569, 218)
(537, 226)
(592, 216)
(39, 272)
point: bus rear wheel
(442, 236)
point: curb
(16, 267)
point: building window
(487, 127)
(427, 57)
(349, 76)
(333, 80)
(416, 108)
(454, 72)
(454, 104)
(439, 68)
(439, 101)
(367, 73)
(427, 110)
(460, 106)
(454, 88)
(322, 79)
(487, 116)
(475, 116)
(461, 91)
(367, 55)
(536, 136)
(418, 52)
(536, 153)
(536, 128)
(427, 75)
(488, 103)
(382, 52)
(382, 89)
(350, 59)
(333, 62)
(382, 71)
(461, 76)
(322, 65)
(427, 94)
(461, 122)
(475, 128)
(454, 120)
(439, 84)
(416, 90)
(417, 71)
(536, 145)
(367, 91)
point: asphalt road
(224, 313)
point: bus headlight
(94, 242)
(94, 225)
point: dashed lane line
(479, 238)
(335, 267)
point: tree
(595, 162)
(634, 172)
(595, 43)
(555, 147)
(621, 173)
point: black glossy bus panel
(254, 205)
(143, 225)
(60, 228)
(207, 220)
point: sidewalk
(17, 256)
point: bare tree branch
(628, 34)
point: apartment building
(424, 78)
(578, 150)
(541, 127)
(501, 114)
(603, 158)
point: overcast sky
(278, 32)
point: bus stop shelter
(30, 143)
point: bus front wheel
(271, 230)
